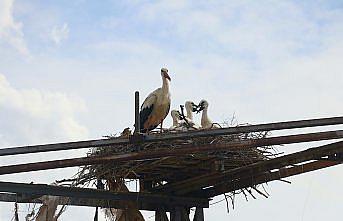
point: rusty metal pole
(171, 136)
(137, 117)
(72, 162)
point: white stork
(190, 108)
(175, 114)
(180, 124)
(156, 106)
(206, 122)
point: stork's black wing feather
(154, 126)
(144, 115)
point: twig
(249, 191)
(16, 216)
(182, 115)
(258, 191)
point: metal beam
(199, 214)
(154, 200)
(235, 145)
(193, 184)
(137, 116)
(209, 192)
(83, 202)
(62, 146)
(177, 152)
(267, 177)
(171, 136)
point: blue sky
(68, 71)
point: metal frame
(250, 143)
(181, 135)
(178, 197)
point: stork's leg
(161, 129)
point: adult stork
(206, 122)
(155, 107)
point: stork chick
(155, 107)
(206, 122)
(190, 108)
(175, 114)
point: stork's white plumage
(206, 122)
(175, 114)
(190, 108)
(156, 106)
(180, 124)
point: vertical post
(175, 214)
(199, 214)
(179, 214)
(137, 117)
(161, 215)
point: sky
(69, 69)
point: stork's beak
(166, 75)
(200, 108)
(195, 107)
(180, 118)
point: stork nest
(158, 171)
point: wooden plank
(267, 177)
(75, 201)
(62, 146)
(199, 214)
(193, 184)
(171, 136)
(161, 215)
(210, 192)
(155, 199)
(250, 143)
(83, 202)
(176, 214)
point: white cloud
(267, 61)
(60, 33)
(34, 116)
(10, 30)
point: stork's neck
(165, 85)
(175, 122)
(189, 114)
(204, 116)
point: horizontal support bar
(140, 198)
(250, 143)
(209, 192)
(267, 177)
(171, 136)
(84, 202)
(193, 184)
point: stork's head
(164, 73)
(191, 106)
(203, 105)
